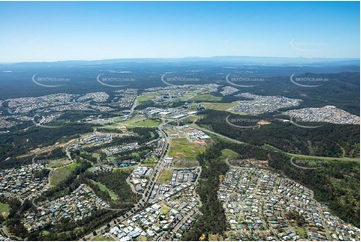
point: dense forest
(329, 140)
(19, 143)
(116, 182)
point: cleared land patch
(206, 98)
(165, 176)
(219, 106)
(181, 149)
(61, 174)
(146, 123)
(96, 155)
(103, 238)
(165, 209)
(152, 161)
(185, 163)
(103, 188)
(58, 163)
(146, 97)
(4, 209)
(126, 122)
(229, 153)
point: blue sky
(53, 31)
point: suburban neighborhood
(259, 203)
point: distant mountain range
(216, 59)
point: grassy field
(4, 209)
(126, 122)
(181, 149)
(118, 119)
(146, 123)
(102, 238)
(206, 98)
(229, 153)
(168, 131)
(150, 162)
(58, 163)
(195, 126)
(146, 97)
(102, 187)
(126, 169)
(141, 238)
(219, 106)
(185, 163)
(134, 122)
(44, 232)
(301, 232)
(112, 158)
(61, 174)
(165, 176)
(96, 155)
(165, 209)
(187, 96)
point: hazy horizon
(195, 58)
